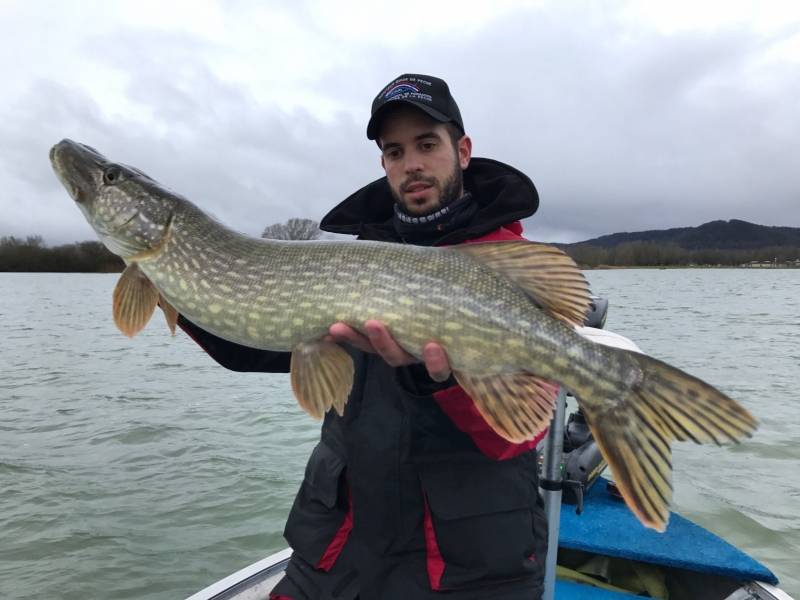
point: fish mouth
(76, 166)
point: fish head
(130, 212)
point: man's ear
(464, 151)
(383, 164)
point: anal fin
(135, 299)
(518, 406)
(322, 375)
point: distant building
(772, 264)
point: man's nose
(413, 162)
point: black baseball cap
(429, 94)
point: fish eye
(112, 175)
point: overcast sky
(639, 115)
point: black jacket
(398, 501)
(504, 195)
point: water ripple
(140, 469)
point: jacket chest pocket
(483, 524)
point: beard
(449, 191)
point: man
(410, 494)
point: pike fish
(505, 313)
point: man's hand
(379, 341)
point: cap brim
(374, 125)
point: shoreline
(581, 267)
(744, 268)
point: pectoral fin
(322, 375)
(518, 406)
(135, 299)
(170, 314)
(548, 275)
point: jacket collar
(504, 195)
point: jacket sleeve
(235, 356)
(461, 409)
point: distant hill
(717, 243)
(720, 235)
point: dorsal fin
(548, 275)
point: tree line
(652, 254)
(32, 254)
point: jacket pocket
(483, 524)
(320, 519)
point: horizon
(94, 239)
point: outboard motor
(582, 460)
(598, 311)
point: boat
(690, 562)
(603, 552)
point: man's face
(421, 163)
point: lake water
(141, 469)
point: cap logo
(400, 88)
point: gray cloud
(624, 134)
(247, 165)
(621, 130)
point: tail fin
(634, 431)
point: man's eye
(393, 154)
(428, 146)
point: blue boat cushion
(566, 590)
(608, 527)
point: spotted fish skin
(504, 312)
(273, 294)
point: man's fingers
(344, 334)
(436, 362)
(384, 344)
(379, 341)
